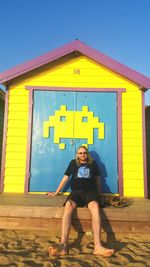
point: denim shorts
(83, 198)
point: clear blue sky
(118, 28)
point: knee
(70, 206)
(93, 205)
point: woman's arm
(60, 187)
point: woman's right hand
(51, 194)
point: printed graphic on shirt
(83, 172)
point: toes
(58, 250)
(104, 252)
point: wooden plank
(54, 225)
(115, 214)
(31, 200)
(37, 212)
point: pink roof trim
(84, 49)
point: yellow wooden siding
(15, 165)
(14, 188)
(132, 143)
(133, 191)
(63, 74)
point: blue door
(62, 121)
(48, 162)
(104, 151)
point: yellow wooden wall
(63, 74)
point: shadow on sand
(111, 241)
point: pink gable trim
(84, 49)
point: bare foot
(105, 252)
(57, 250)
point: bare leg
(96, 227)
(66, 225)
(66, 221)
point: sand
(29, 248)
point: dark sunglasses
(82, 153)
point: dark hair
(89, 158)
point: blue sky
(118, 28)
